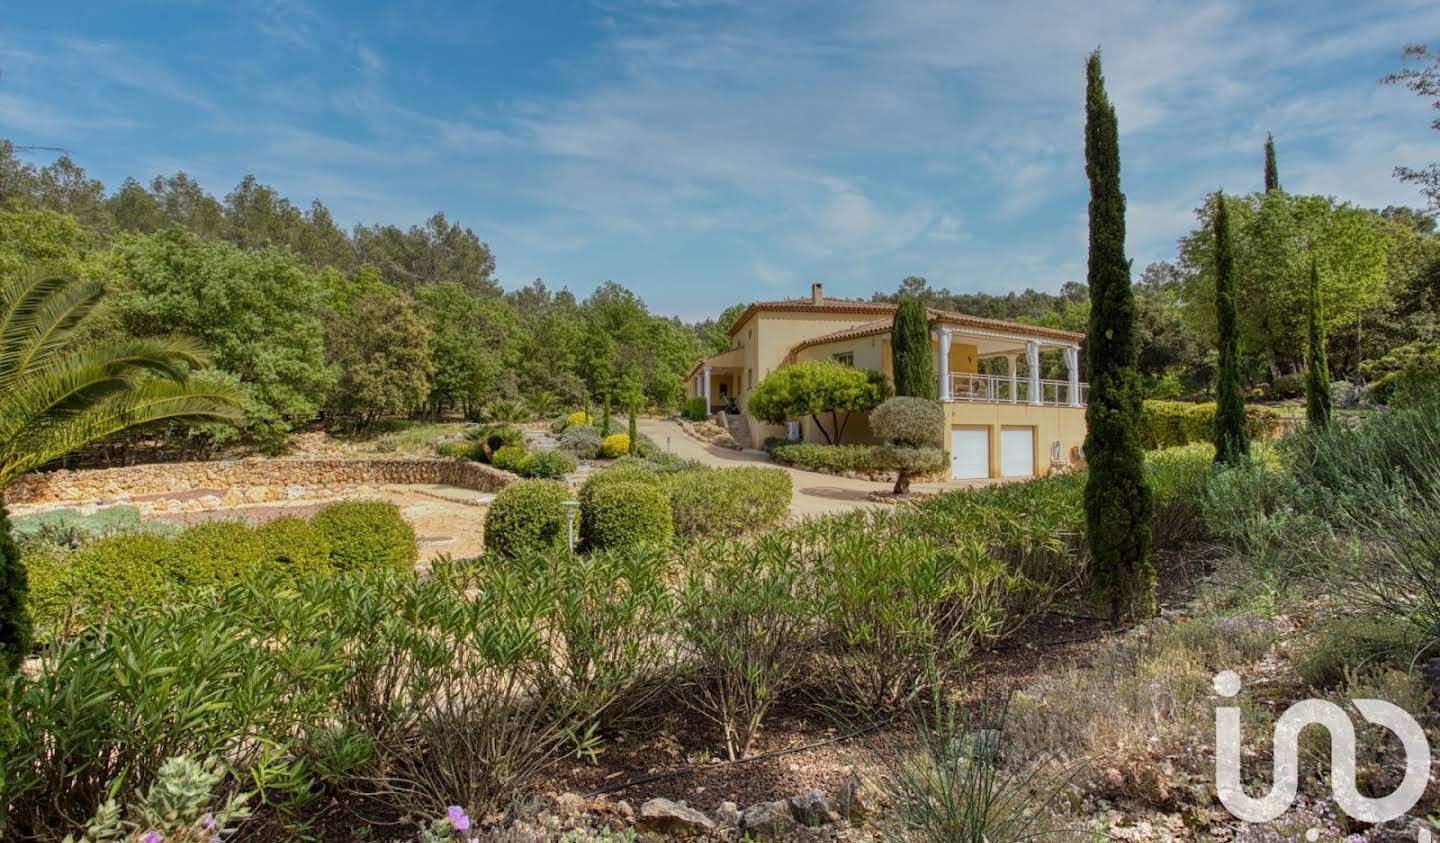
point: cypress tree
(1272, 174)
(910, 350)
(634, 428)
(1317, 369)
(15, 631)
(605, 417)
(1232, 446)
(1118, 501)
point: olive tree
(815, 387)
(912, 429)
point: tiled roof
(826, 305)
(829, 305)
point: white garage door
(1017, 451)
(969, 453)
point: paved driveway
(815, 493)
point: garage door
(1017, 451)
(969, 453)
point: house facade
(1003, 418)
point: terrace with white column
(1007, 386)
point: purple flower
(152, 836)
(207, 822)
(458, 820)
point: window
(846, 359)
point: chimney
(817, 292)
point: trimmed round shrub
(626, 514)
(527, 515)
(508, 458)
(615, 445)
(221, 553)
(295, 548)
(551, 465)
(366, 535)
(909, 421)
(582, 441)
(580, 417)
(116, 570)
(727, 501)
(47, 570)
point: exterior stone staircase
(738, 427)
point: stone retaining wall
(111, 484)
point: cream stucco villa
(999, 425)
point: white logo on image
(1342, 759)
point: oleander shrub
(625, 514)
(103, 711)
(582, 441)
(549, 465)
(366, 535)
(615, 445)
(901, 611)
(746, 614)
(526, 516)
(822, 457)
(218, 554)
(727, 501)
(508, 458)
(1166, 424)
(295, 548)
(695, 409)
(600, 613)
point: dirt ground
(448, 521)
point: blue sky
(704, 153)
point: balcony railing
(1002, 389)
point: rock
(813, 809)
(728, 814)
(859, 800)
(768, 819)
(569, 805)
(673, 818)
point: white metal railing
(1002, 389)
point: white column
(944, 364)
(707, 389)
(1032, 358)
(1072, 362)
(1014, 361)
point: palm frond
(151, 404)
(44, 324)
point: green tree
(1317, 371)
(382, 356)
(634, 427)
(257, 311)
(1273, 237)
(1118, 502)
(812, 387)
(1272, 173)
(910, 350)
(474, 342)
(1425, 82)
(1232, 446)
(912, 429)
(59, 393)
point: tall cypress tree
(910, 350)
(1317, 369)
(634, 427)
(1118, 501)
(1232, 446)
(1272, 173)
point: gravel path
(815, 493)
